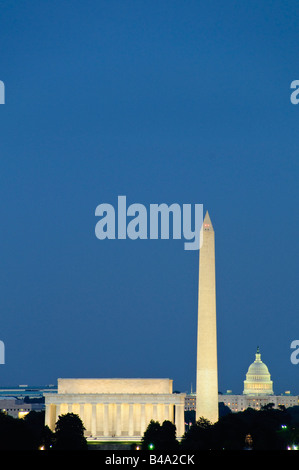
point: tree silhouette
(269, 429)
(69, 433)
(199, 436)
(42, 436)
(159, 438)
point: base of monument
(114, 439)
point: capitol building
(258, 380)
(257, 392)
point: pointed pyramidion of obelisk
(207, 224)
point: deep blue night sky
(164, 102)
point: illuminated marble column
(155, 412)
(105, 420)
(58, 412)
(82, 415)
(94, 420)
(131, 420)
(50, 416)
(142, 419)
(118, 420)
(207, 369)
(179, 420)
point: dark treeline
(265, 429)
(30, 433)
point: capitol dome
(258, 380)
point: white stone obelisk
(207, 368)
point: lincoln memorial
(116, 409)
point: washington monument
(207, 369)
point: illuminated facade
(116, 409)
(207, 364)
(242, 402)
(17, 408)
(258, 380)
(258, 391)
